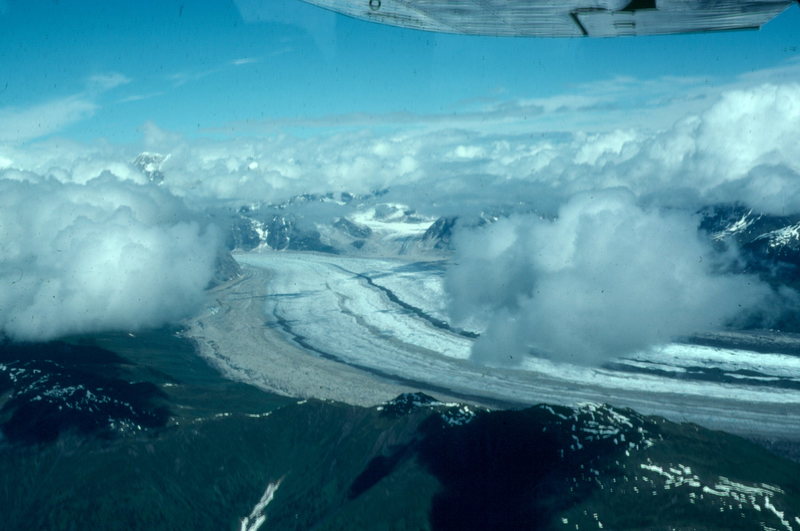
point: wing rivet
(374, 4)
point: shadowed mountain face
(209, 454)
(56, 388)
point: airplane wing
(563, 18)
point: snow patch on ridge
(256, 518)
(732, 495)
(741, 225)
(783, 236)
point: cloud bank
(605, 278)
(741, 146)
(585, 200)
(104, 254)
(621, 269)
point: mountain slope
(230, 456)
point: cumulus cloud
(280, 166)
(610, 272)
(726, 152)
(104, 254)
(723, 153)
(603, 279)
(743, 146)
(67, 161)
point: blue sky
(88, 69)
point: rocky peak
(149, 163)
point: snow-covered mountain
(278, 232)
(769, 244)
(377, 224)
(149, 163)
(355, 225)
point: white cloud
(728, 151)
(102, 82)
(106, 254)
(181, 78)
(141, 97)
(67, 161)
(741, 146)
(622, 269)
(245, 61)
(747, 128)
(605, 278)
(18, 125)
(190, 76)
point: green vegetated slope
(413, 463)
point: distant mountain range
(367, 226)
(373, 225)
(769, 244)
(371, 222)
